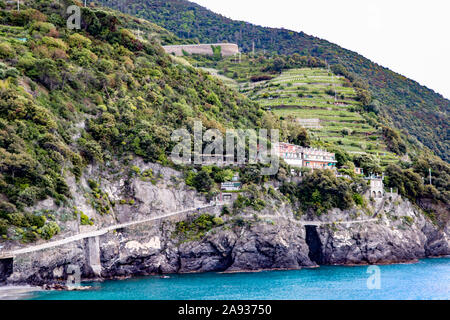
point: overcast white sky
(410, 37)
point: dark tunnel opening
(6, 268)
(314, 244)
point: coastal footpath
(172, 239)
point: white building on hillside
(376, 186)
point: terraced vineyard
(12, 33)
(326, 105)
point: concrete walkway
(97, 233)
(317, 223)
(103, 231)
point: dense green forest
(126, 95)
(415, 109)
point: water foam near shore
(17, 292)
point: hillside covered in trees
(106, 94)
(419, 111)
(99, 95)
(73, 97)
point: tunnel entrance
(6, 268)
(314, 244)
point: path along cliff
(158, 235)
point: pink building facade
(306, 157)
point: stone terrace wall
(228, 49)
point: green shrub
(203, 182)
(147, 174)
(408, 220)
(36, 220)
(85, 221)
(214, 100)
(79, 41)
(358, 199)
(218, 221)
(321, 191)
(240, 202)
(394, 141)
(53, 42)
(6, 51)
(93, 184)
(29, 236)
(222, 175)
(225, 210)
(49, 230)
(136, 170)
(346, 131)
(91, 149)
(369, 163)
(243, 202)
(42, 27)
(195, 229)
(6, 208)
(18, 219)
(4, 225)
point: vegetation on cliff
(321, 191)
(68, 98)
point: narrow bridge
(96, 233)
(324, 223)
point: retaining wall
(228, 49)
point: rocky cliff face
(261, 246)
(400, 234)
(247, 240)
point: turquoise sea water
(427, 279)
